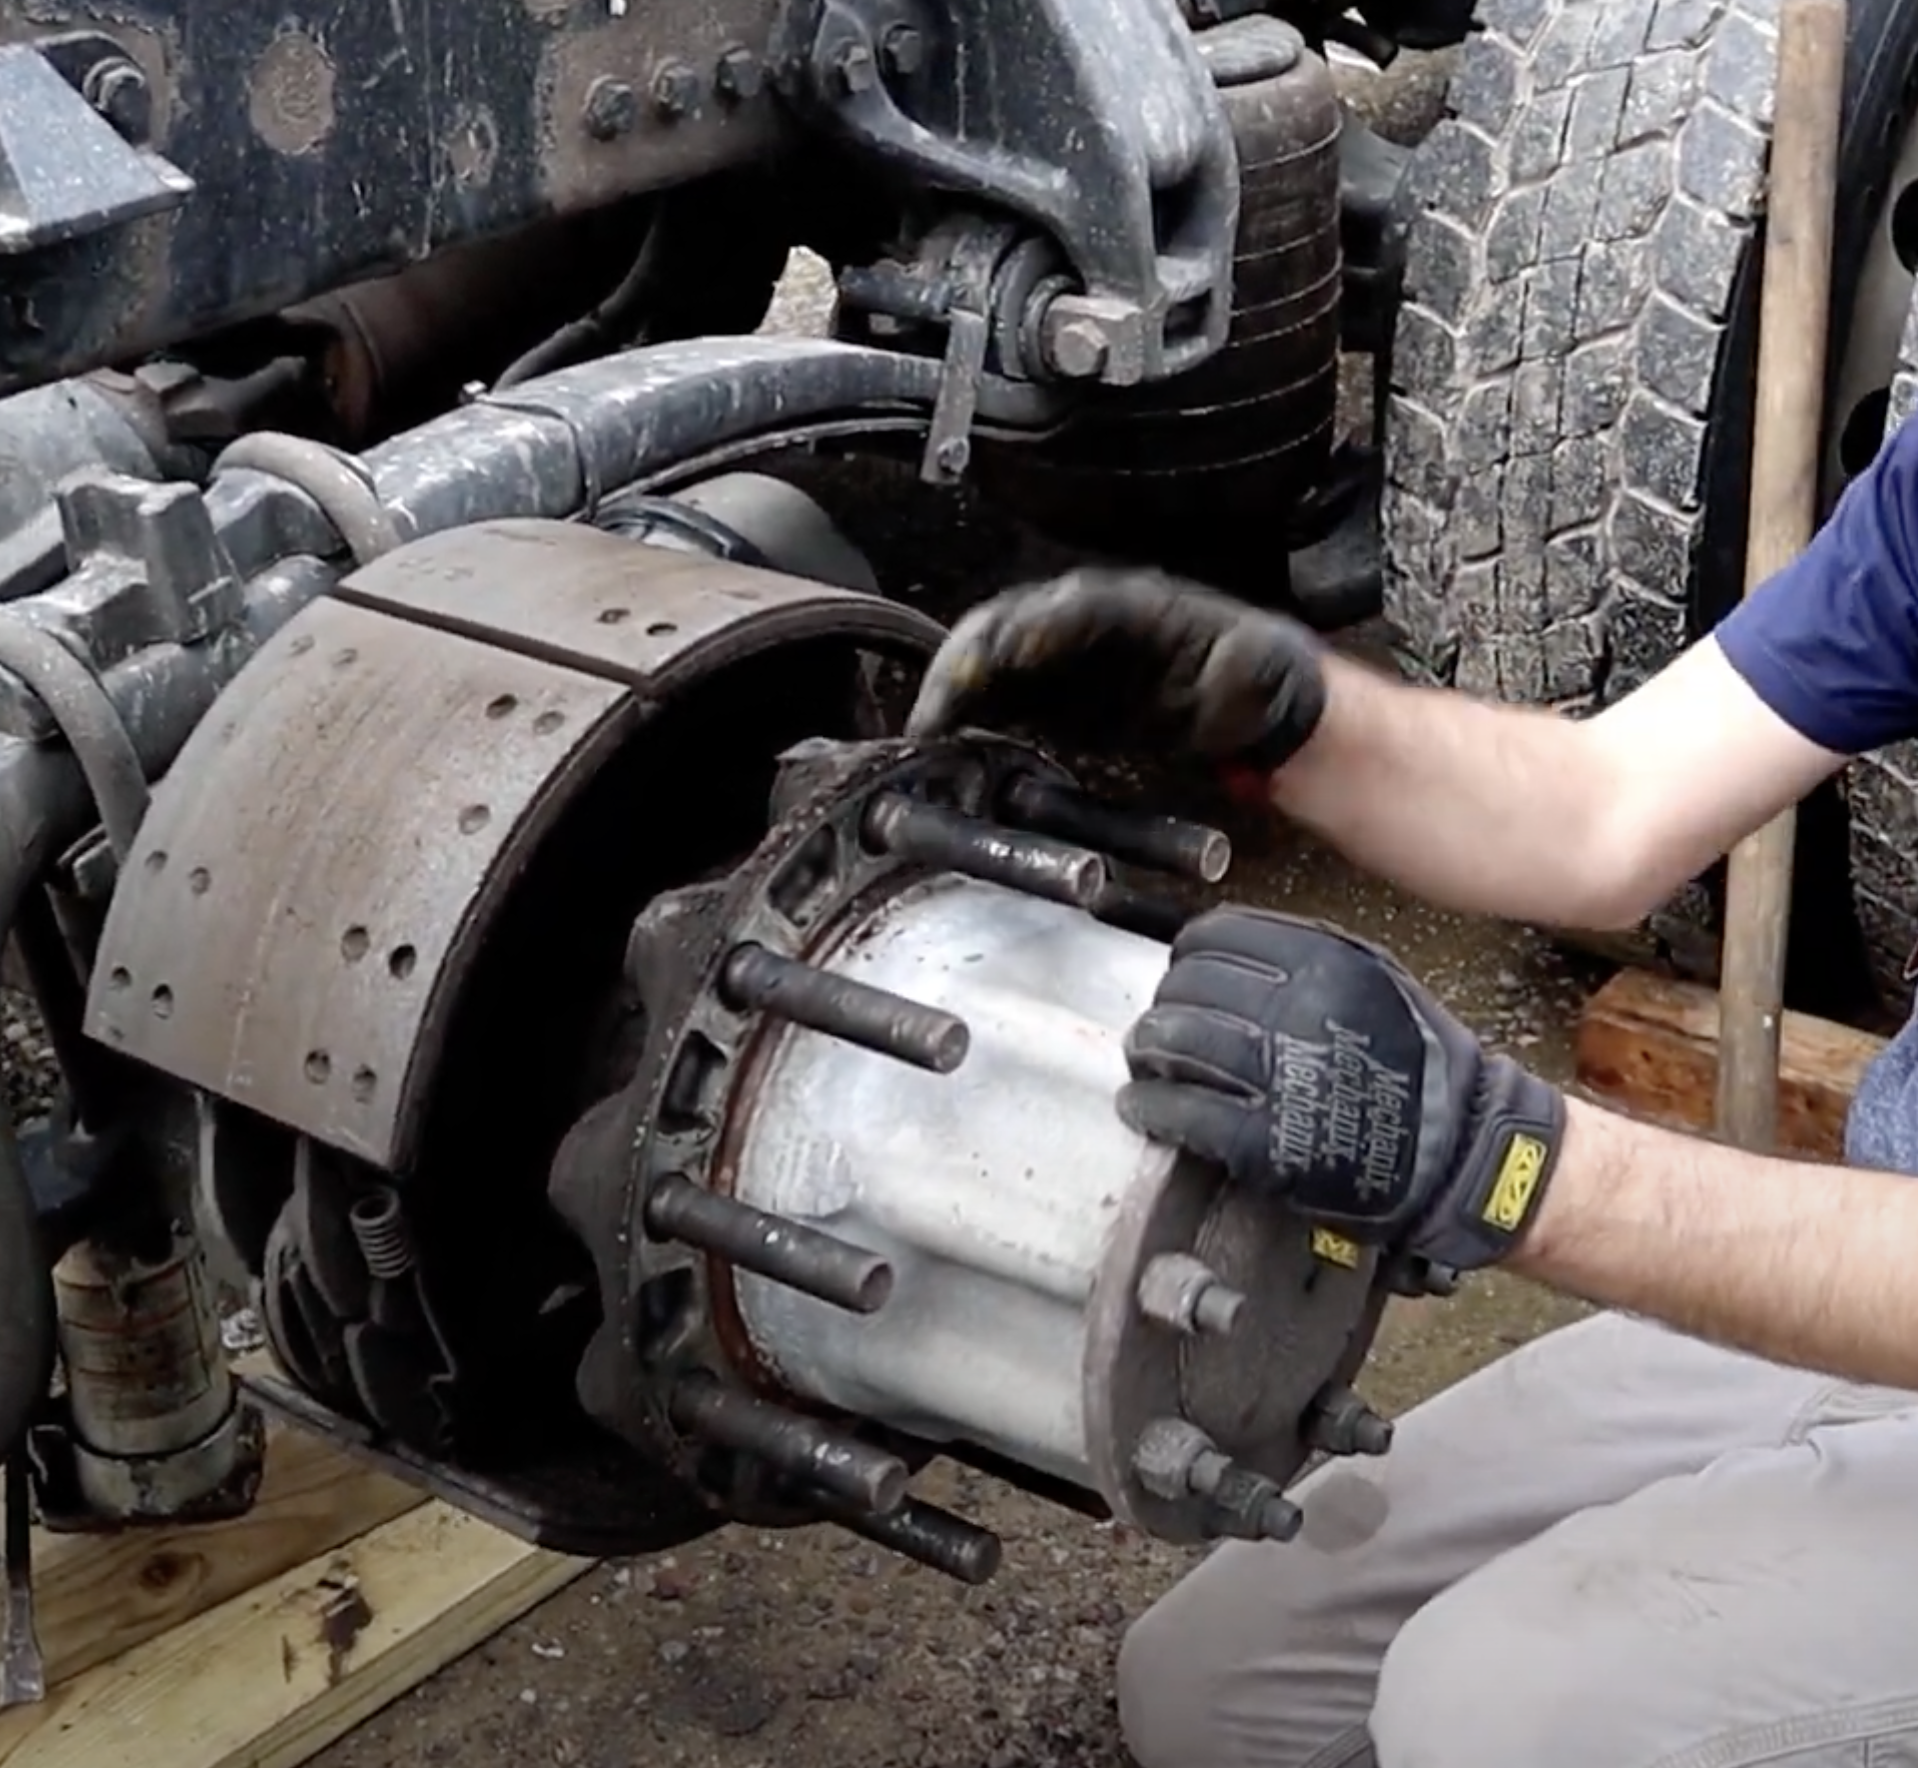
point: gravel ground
(812, 1650)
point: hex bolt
(857, 70)
(675, 90)
(904, 50)
(1341, 1423)
(1167, 1455)
(612, 108)
(739, 76)
(1175, 1459)
(1076, 348)
(118, 90)
(1182, 1292)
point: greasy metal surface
(321, 858)
(651, 80)
(331, 140)
(1093, 120)
(1307, 1320)
(293, 918)
(596, 602)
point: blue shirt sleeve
(1830, 643)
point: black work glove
(1308, 1063)
(1130, 660)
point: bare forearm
(1807, 1265)
(1518, 812)
(1470, 805)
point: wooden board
(97, 1596)
(1647, 1045)
(256, 1643)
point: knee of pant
(1163, 1702)
(1467, 1686)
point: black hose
(613, 321)
(86, 718)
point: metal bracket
(1092, 120)
(65, 172)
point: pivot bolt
(612, 108)
(675, 90)
(1076, 348)
(1180, 1291)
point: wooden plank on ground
(97, 1596)
(1647, 1045)
(271, 1677)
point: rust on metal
(357, 807)
(379, 775)
(290, 94)
(665, 143)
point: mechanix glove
(1130, 660)
(1308, 1063)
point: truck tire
(1568, 444)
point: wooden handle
(1794, 313)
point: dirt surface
(813, 1650)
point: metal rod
(873, 1018)
(788, 1252)
(920, 1531)
(23, 1676)
(1793, 321)
(1165, 843)
(954, 842)
(801, 1447)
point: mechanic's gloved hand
(1310, 1064)
(1133, 660)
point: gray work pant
(1615, 1548)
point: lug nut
(1341, 1423)
(1174, 1459)
(1180, 1291)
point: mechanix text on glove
(1308, 1063)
